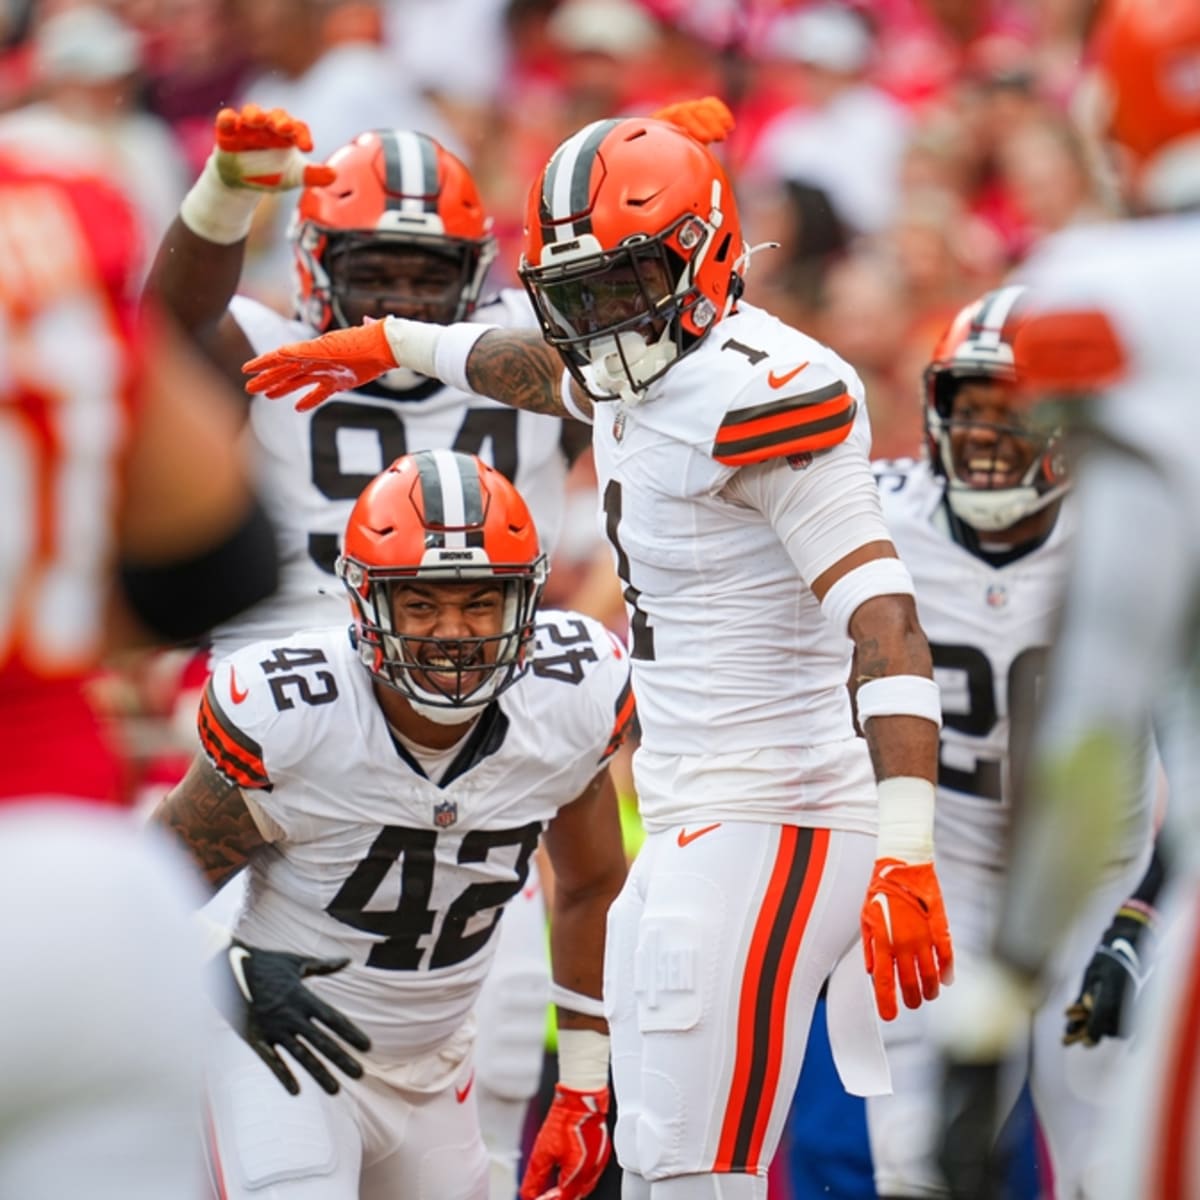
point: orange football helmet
(979, 345)
(1147, 55)
(633, 249)
(440, 517)
(403, 194)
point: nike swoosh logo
(238, 956)
(684, 837)
(777, 381)
(1125, 949)
(236, 694)
(886, 909)
(460, 1094)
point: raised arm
(199, 263)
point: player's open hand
(265, 151)
(334, 362)
(276, 1011)
(905, 934)
(707, 120)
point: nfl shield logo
(445, 814)
(619, 424)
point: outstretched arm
(515, 367)
(199, 262)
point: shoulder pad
(571, 647)
(783, 412)
(230, 749)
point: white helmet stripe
(566, 188)
(415, 184)
(454, 501)
(988, 328)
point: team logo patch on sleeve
(237, 756)
(787, 427)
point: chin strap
(737, 285)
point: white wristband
(583, 1059)
(453, 349)
(438, 351)
(905, 818)
(216, 212)
(899, 696)
(589, 1006)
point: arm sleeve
(822, 512)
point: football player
(127, 513)
(401, 230)
(1111, 321)
(385, 792)
(759, 577)
(984, 524)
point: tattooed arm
(208, 814)
(520, 369)
(888, 640)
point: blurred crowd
(904, 153)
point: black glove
(1111, 981)
(276, 1009)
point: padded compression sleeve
(179, 601)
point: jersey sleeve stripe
(235, 755)
(818, 399)
(790, 433)
(625, 708)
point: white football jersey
(313, 465)
(371, 859)
(989, 629)
(741, 681)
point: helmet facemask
(997, 474)
(376, 275)
(620, 318)
(398, 195)
(445, 680)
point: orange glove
(573, 1138)
(905, 934)
(331, 363)
(264, 151)
(707, 120)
